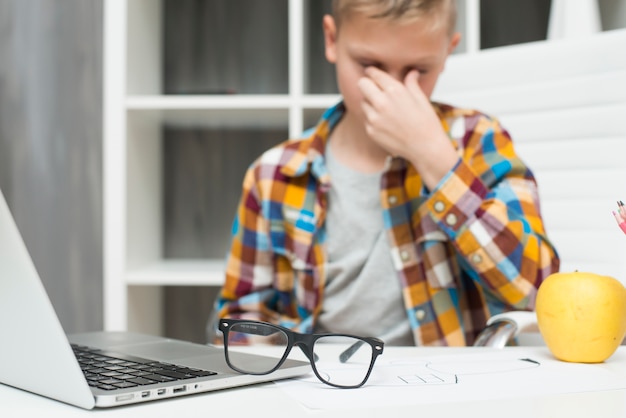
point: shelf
(318, 101)
(228, 111)
(184, 102)
(225, 102)
(178, 273)
(213, 118)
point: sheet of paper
(466, 377)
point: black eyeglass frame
(305, 342)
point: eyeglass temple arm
(349, 352)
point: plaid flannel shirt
(472, 247)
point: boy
(397, 218)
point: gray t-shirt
(363, 295)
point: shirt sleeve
(489, 207)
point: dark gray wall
(50, 146)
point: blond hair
(438, 11)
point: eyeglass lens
(339, 360)
(342, 361)
(250, 334)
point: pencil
(621, 210)
(621, 220)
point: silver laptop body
(37, 356)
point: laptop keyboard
(108, 370)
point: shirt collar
(310, 149)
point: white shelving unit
(136, 109)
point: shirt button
(404, 255)
(392, 200)
(420, 314)
(439, 206)
(477, 259)
(451, 219)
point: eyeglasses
(340, 360)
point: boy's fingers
(411, 83)
(368, 88)
(383, 80)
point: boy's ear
(454, 42)
(330, 38)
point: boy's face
(394, 47)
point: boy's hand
(401, 119)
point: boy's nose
(397, 75)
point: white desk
(266, 399)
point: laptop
(116, 368)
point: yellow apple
(581, 316)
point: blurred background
(51, 128)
